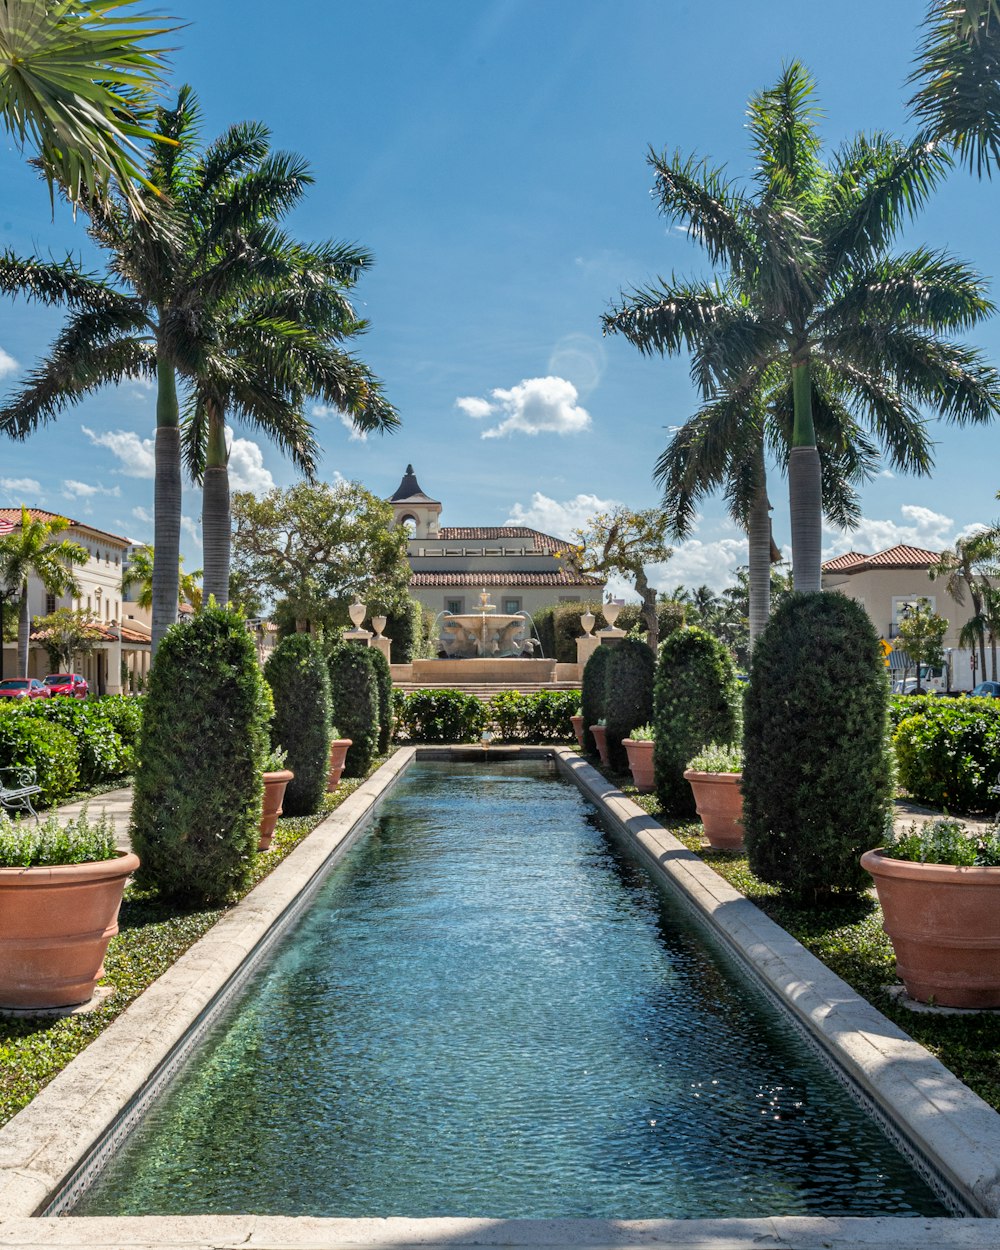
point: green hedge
(559, 626)
(404, 627)
(696, 701)
(383, 678)
(592, 695)
(817, 772)
(628, 695)
(125, 714)
(46, 747)
(541, 716)
(103, 755)
(354, 695)
(300, 685)
(439, 716)
(948, 752)
(199, 779)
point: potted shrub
(60, 890)
(599, 732)
(276, 779)
(338, 755)
(714, 775)
(639, 749)
(576, 720)
(939, 888)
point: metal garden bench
(17, 788)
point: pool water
(493, 1010)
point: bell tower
(412, 508)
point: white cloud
(534, 406)
(135, 453)
(192, 529)
(920, 527)
(696, 563)
(559, 519)
(26, 486)
(7, 363)
(86, 490)
(246, 467)
(324, 410)
(143, 515)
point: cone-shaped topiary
(628, 695)
(297, 674)
(817, 775)
(592, 694)
(696, 700)
(197, 798)
(354, 694)
(383, 676)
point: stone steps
(485, 690)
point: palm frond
(700, 198)
(783, 125)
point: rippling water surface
(492, 1010)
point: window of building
(50, 604)
(409, 523)
(454, 606)
(511, 606)
(901, 604)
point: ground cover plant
(153, 934)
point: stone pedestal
(362, 636)
(586, 645)
(383, 644)
(611, 636)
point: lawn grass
(152, 935)
(848, 938)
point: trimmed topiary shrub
(592, 695)
(628, 695)
(948, 755)
(44, 746)
(198, 785)
(439, 716)
(354, 694)
(696, 700)
(817, 773)
(297, 674)
(404, 627)
(383, 677)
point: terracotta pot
(577, 723)
(719, 801)
(338, 753)
(601, 738)
(944, 924)
(640, 762)
(274, 796)
(55, 925)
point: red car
(67, 683)
(23, 688)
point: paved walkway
(117, 804)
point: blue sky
(491, 153)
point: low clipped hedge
(541, 716)
(948, 752)
(355, 699)
(103, 754)
(297, 674)
(439, 716)
(47, 748)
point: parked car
(986, 690)
(67, 683)
(23, 688)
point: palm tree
(958, 79)
(967, 568)
(205, 244)
(139, 572)
(30, 551)
(809, 285)
(75, 79)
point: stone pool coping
(45, 1142)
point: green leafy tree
(32, 552)
(810, 314)
(314, 546)
(921, 634)
(65, 634)
(968, 568)
(76, 77)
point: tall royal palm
(31, 552)
(205, 244)
(817, 293)
(969, 567)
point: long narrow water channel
(493, 1010)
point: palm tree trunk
(216, 523)
(23, 631)
(166, 505)
(977, 604)
(759, 558)
(805, 488)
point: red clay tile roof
(899, 557)
(39, 514)
(481, 580)
(497, 533)
(107, 634)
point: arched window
(409, 523)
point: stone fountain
(486, 634)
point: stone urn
(274, 796)
(601, 738)
(944, 924)
(338, 754)
(55, 926)
(577, 723)
(719, 801)
(640, 762)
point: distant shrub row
(451, 716)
